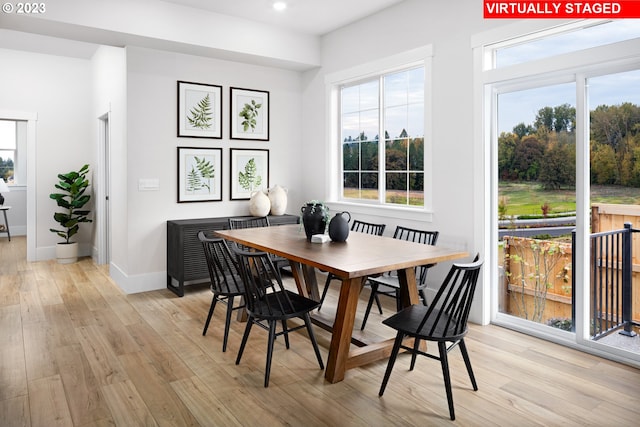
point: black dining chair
(253, 222)
(268, 301)
(360, 227)
(226, 283)
(443, 321)
(388, 283)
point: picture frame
(249, 172)
(199, 174)
(249, 114)
(199, 110)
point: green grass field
(526, 198)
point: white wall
(58, 90)
(152, 150)
(446, 26)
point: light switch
(148, 184)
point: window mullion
(381, 145)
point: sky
(522, 106)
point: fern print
(200, 116)
(206, 170)
(194, 182)
(249, 178)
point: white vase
(278, 198)
(67, 253)
(259, 204)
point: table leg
(408, 287)
(342, 329)
(305, 277)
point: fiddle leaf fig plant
(72, 199)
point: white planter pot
(259, 204)
(278, 198)
(67, 253)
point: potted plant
(71, 198)
(314, 215)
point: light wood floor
(76, 351)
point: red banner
(517, 9)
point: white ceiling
(316, 17)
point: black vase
(339, 227)
(313, 219)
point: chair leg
(392, 360)
(372, 297)
(272, 338)
(467, 362)
(227, 323)
(312, 337)
(285, 332)
(330, 277)
(423, 296)
(213, 305)
(377, 298)
(444, 361)
(414, 355)
(247, 329)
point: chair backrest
(261, 278)
(448, 313)
(418, 236)
(249, 222)
(368, 227)
(223, 267)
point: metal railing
(611, 282)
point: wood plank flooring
(76, 351)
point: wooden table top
(361, 255)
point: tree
(506, 147)
(557, 168)
(564, 118)
(522, 130)
(545, 117)
(527, 158)
(603, 164)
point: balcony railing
(611, 282)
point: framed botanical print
(249, 114)
(249, 172)
(199, 174)
(199, 110)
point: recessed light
(279, 6)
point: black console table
(185, 257)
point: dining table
(353, 260)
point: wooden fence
(521, 265)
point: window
(388, 171)
(8, 150)
(565, 39)
(560, 120)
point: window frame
(334, 82)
